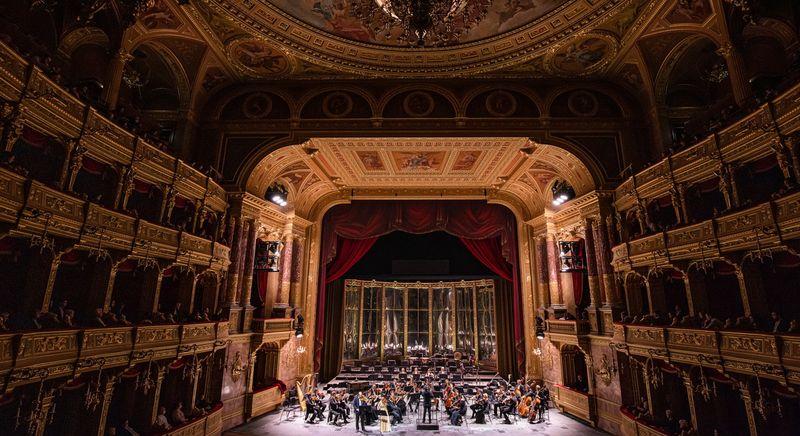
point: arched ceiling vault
(508, 169)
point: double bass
(524, 407)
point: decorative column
(747, 397)
(75, 153)
(298, 254)
(51, 281)
(281, 307)
(247, 277)
(542, 274)
(611, 303)
(689, 384)
(115, 73)
(47, 404)
(232, 279)
(152, 401)
(556, 292)
(125, 188)
(108, 392)
(13, 130)
(736, 72)
(591, 266)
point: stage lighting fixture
(562, 192)
(539, 328)
(277, 194)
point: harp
(302, 387)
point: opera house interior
(399, 216)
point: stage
(272, 424)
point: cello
(524, 407)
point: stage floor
(271, 424)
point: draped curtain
(488, 231)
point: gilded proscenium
(310, 44)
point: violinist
(413, 398)
(458, 411)
(338, 409)
(483, 407)
(314, 406)
(507, 407)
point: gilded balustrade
(630, 426)
(208, 425)
(44, 211)
(575, 403)
(50, 109)
(765, 354)
(568, 327)
(263, 401)
(32, 356)
(744, 140)
(758, 227)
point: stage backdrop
(488, 231)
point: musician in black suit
(508, 406)
(359, 404)
(427, 400)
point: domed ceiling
(336, 17)
(267, 38)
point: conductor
(427, 399)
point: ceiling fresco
(333, 16)
(324, 34)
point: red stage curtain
(350, 252)
(261, 283)
(488, 252)
(577, 286)
(349, 231)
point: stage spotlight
(562, 192)
(277, 194)
(539, 328)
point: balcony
(567, 331)
(262, 401)
(273, 330)
(47, 210)
(741, 141)
(759, 227)
(33, 355)
(207, 425)
(575, 403)
(52, 110)
(745, 352)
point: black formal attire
(427, 400)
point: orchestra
(389, 403)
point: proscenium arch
(492, 179)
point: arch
(82, 36)
(308, 96)
(220, 99)
(435, 89)
(176, 293)
(716, 289)
(174, 65)
(467, 99)
(620, 104)
(204, 301)
(81, 279)
(636, 294)
(134, 289)
(574, 368)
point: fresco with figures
(334, 16)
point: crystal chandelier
(436, 22)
